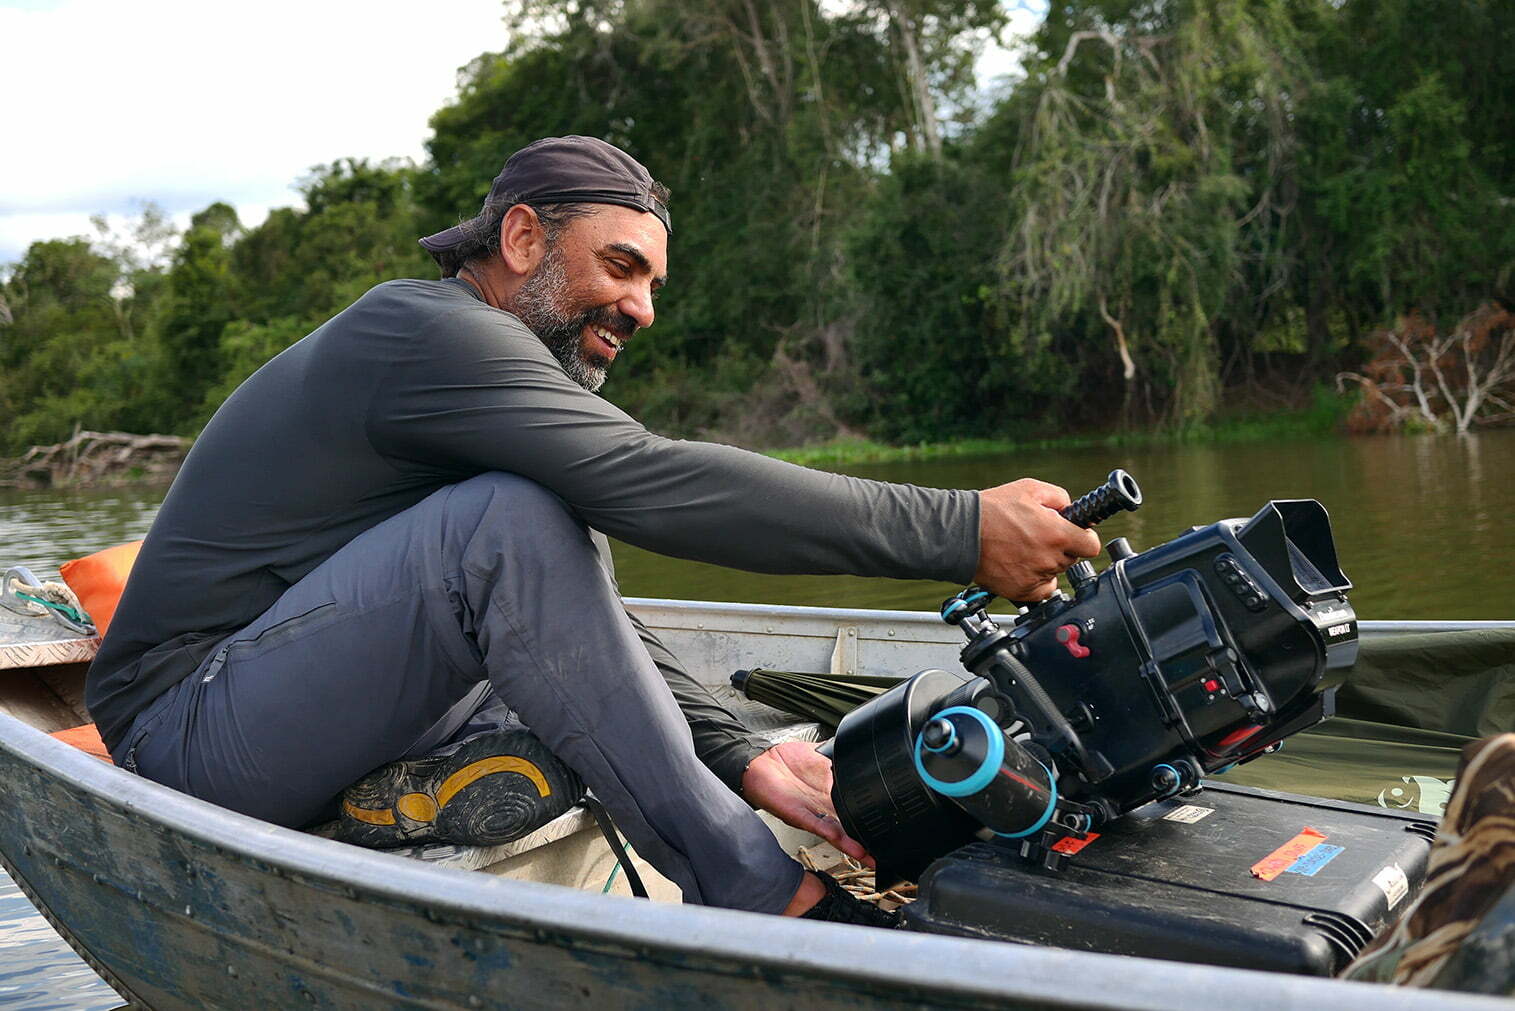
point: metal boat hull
(182, 904)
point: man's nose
(638, 305)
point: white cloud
(18, 230)
(184, 101)
(1001, 59)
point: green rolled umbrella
(824, 698)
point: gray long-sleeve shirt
(420, 384)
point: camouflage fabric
(1459, 934)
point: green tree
(359, 227)
(1155, 161)
(1407, 164)
(65, 359)
(141, 247)
(198, 307)
(1185, 203)
(220, 218)
(771, 124)
(301, 266)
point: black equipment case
(1175, 880)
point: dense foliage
(1184, 207)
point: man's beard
(541, 303)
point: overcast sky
(184, 102)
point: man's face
(594, 288)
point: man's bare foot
(835, 904)
(810, 892)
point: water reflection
(38, 970)
(1420, 522)
(41, 529)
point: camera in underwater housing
(1170, 665)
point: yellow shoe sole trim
(488, 767)
(368, 815)
(419, 807)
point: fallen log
(97, 458)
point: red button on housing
(1212, 685)
(1068, 636)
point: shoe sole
(492, 790)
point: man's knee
(497, 515)
(497, 495)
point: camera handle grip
(1119, 493)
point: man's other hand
(1023, 543)
(792, 782)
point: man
(396, 522)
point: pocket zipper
(215, 665)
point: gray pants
(383, 650)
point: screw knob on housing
(938, 736)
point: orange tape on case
(1068, 845)
(1275, 863)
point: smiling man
(385, 558)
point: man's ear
(523, 242)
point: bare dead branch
(1078, 38)
(1128, 367)
(93, 458)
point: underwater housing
(1169, 665)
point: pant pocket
(255, 643)
(146, 722)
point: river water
(1422, 524)
(1422, 527)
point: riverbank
(97, 460)
(1324, 419)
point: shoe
(483, 791)
(840, 906)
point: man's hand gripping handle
(1029, 532)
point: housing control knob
(1079, 573)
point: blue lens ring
(984, 774)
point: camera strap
(608, 830)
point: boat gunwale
(82, 648)
(855, 615)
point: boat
(178, 903)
